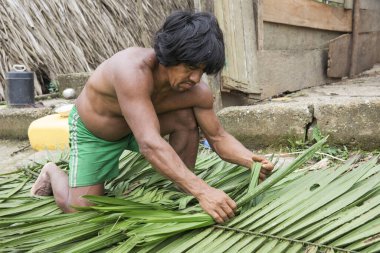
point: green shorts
(93, 160)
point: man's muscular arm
(141, 117)
(227, 147)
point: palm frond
(335, 209)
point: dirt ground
(16, 153)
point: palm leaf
(335, 209)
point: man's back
(134, 71)
(98, 105)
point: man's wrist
(197, 187)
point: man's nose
(196, 76)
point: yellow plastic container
(50, 132)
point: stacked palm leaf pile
(65, 36)
(335, 209)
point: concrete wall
(15, 121)
(73, 80)
(293, 58)
(354, 123)
(286, 37)
(266, 125)
(348, 112)
(290, 70)
(347, 121)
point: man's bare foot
(42, 186)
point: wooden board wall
(369, 20)
(340, 54)
(242, 22)
(307, 13)
(367, 49)
(237, 22)
(291, 70)
(369, 4)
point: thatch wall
(64, 36)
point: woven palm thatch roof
(64, 36)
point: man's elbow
(223, 156)
(149, 146)
(220, 145)
(216, 146)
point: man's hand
(266, 166)
(217, 204)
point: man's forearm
(166, 161)
(231, 150)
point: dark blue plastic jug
(19, 89)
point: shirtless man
(136, 97)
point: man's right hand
(217, 204)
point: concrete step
(347, 111)
(15, 121)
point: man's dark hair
(192, 39)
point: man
(136, 97)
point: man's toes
(42, 186)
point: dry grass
(64, 36)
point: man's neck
(161, 80)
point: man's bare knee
(186, 119)
(76, 199)
(73, 202)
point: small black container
(19, 89)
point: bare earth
(15, 153)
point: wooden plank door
(236, 19)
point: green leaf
(97, 242)
(75, 233)
(280, 174)
(187, 241)
(126, 246)
(255, 173)
(27, 207)
(247, 239)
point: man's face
(183, 77)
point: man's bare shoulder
(203, 95)
(135, 57)
(132, 58)
(131, 66)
